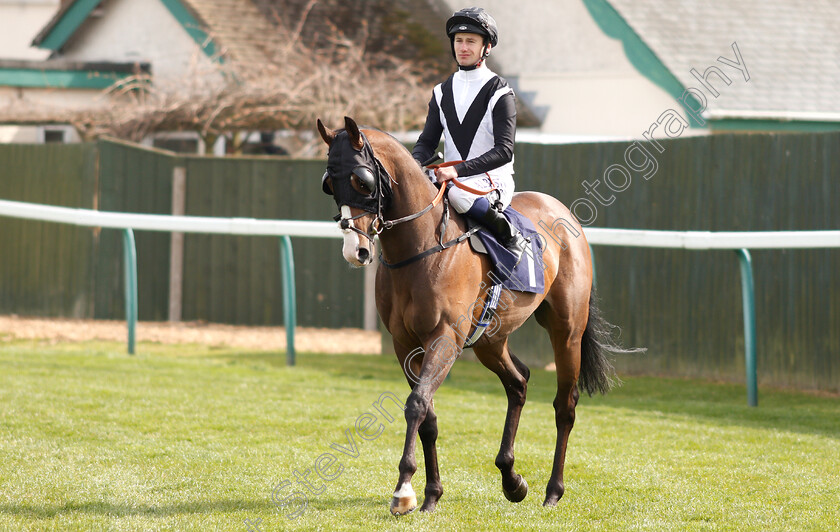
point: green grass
(195, 438)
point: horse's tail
(596, 371)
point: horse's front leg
(437, 359)
(428, 437)
(411, 362)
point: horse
(428, 280)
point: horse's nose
(363, 255)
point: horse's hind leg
(564, 417)
(514, 376)
(566, 345)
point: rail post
(748, 298)
(287, 274)
(130, 264)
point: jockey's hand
(446, 173)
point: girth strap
(430, 251)
(490, 305)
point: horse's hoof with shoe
(404, 501)
(519, 493)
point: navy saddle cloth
(527, 275)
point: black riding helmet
(472, 20)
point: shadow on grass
(719, 403)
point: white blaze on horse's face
(355, 250)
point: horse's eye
(361, 185)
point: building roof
(242, 32)
(791, 49)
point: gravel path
(307, 339)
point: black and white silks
(476, 112)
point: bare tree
(288, 86)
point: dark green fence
(233, 279)
(134, 179)
(684, 306)
(228, 279)
(55, 270)
(45, 268)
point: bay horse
(381, 190)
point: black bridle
(371, 173)
(346, 164)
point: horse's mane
(395, 140)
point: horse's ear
(353, 130)
(327, 134)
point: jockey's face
(469, 48)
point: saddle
(527, 275)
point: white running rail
(741, 242)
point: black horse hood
(343, 162)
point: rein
(461, 185)
(388, 224)
(380, 224)
(440, 247)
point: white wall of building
(597, 104)
(139, 31)
(117, 31)
(20, 22)
(36, 134)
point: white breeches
(462, 200)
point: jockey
(475, 110)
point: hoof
(428, 506)
(551, 499)
(519, 493)
(404, 500)
(403, 505)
